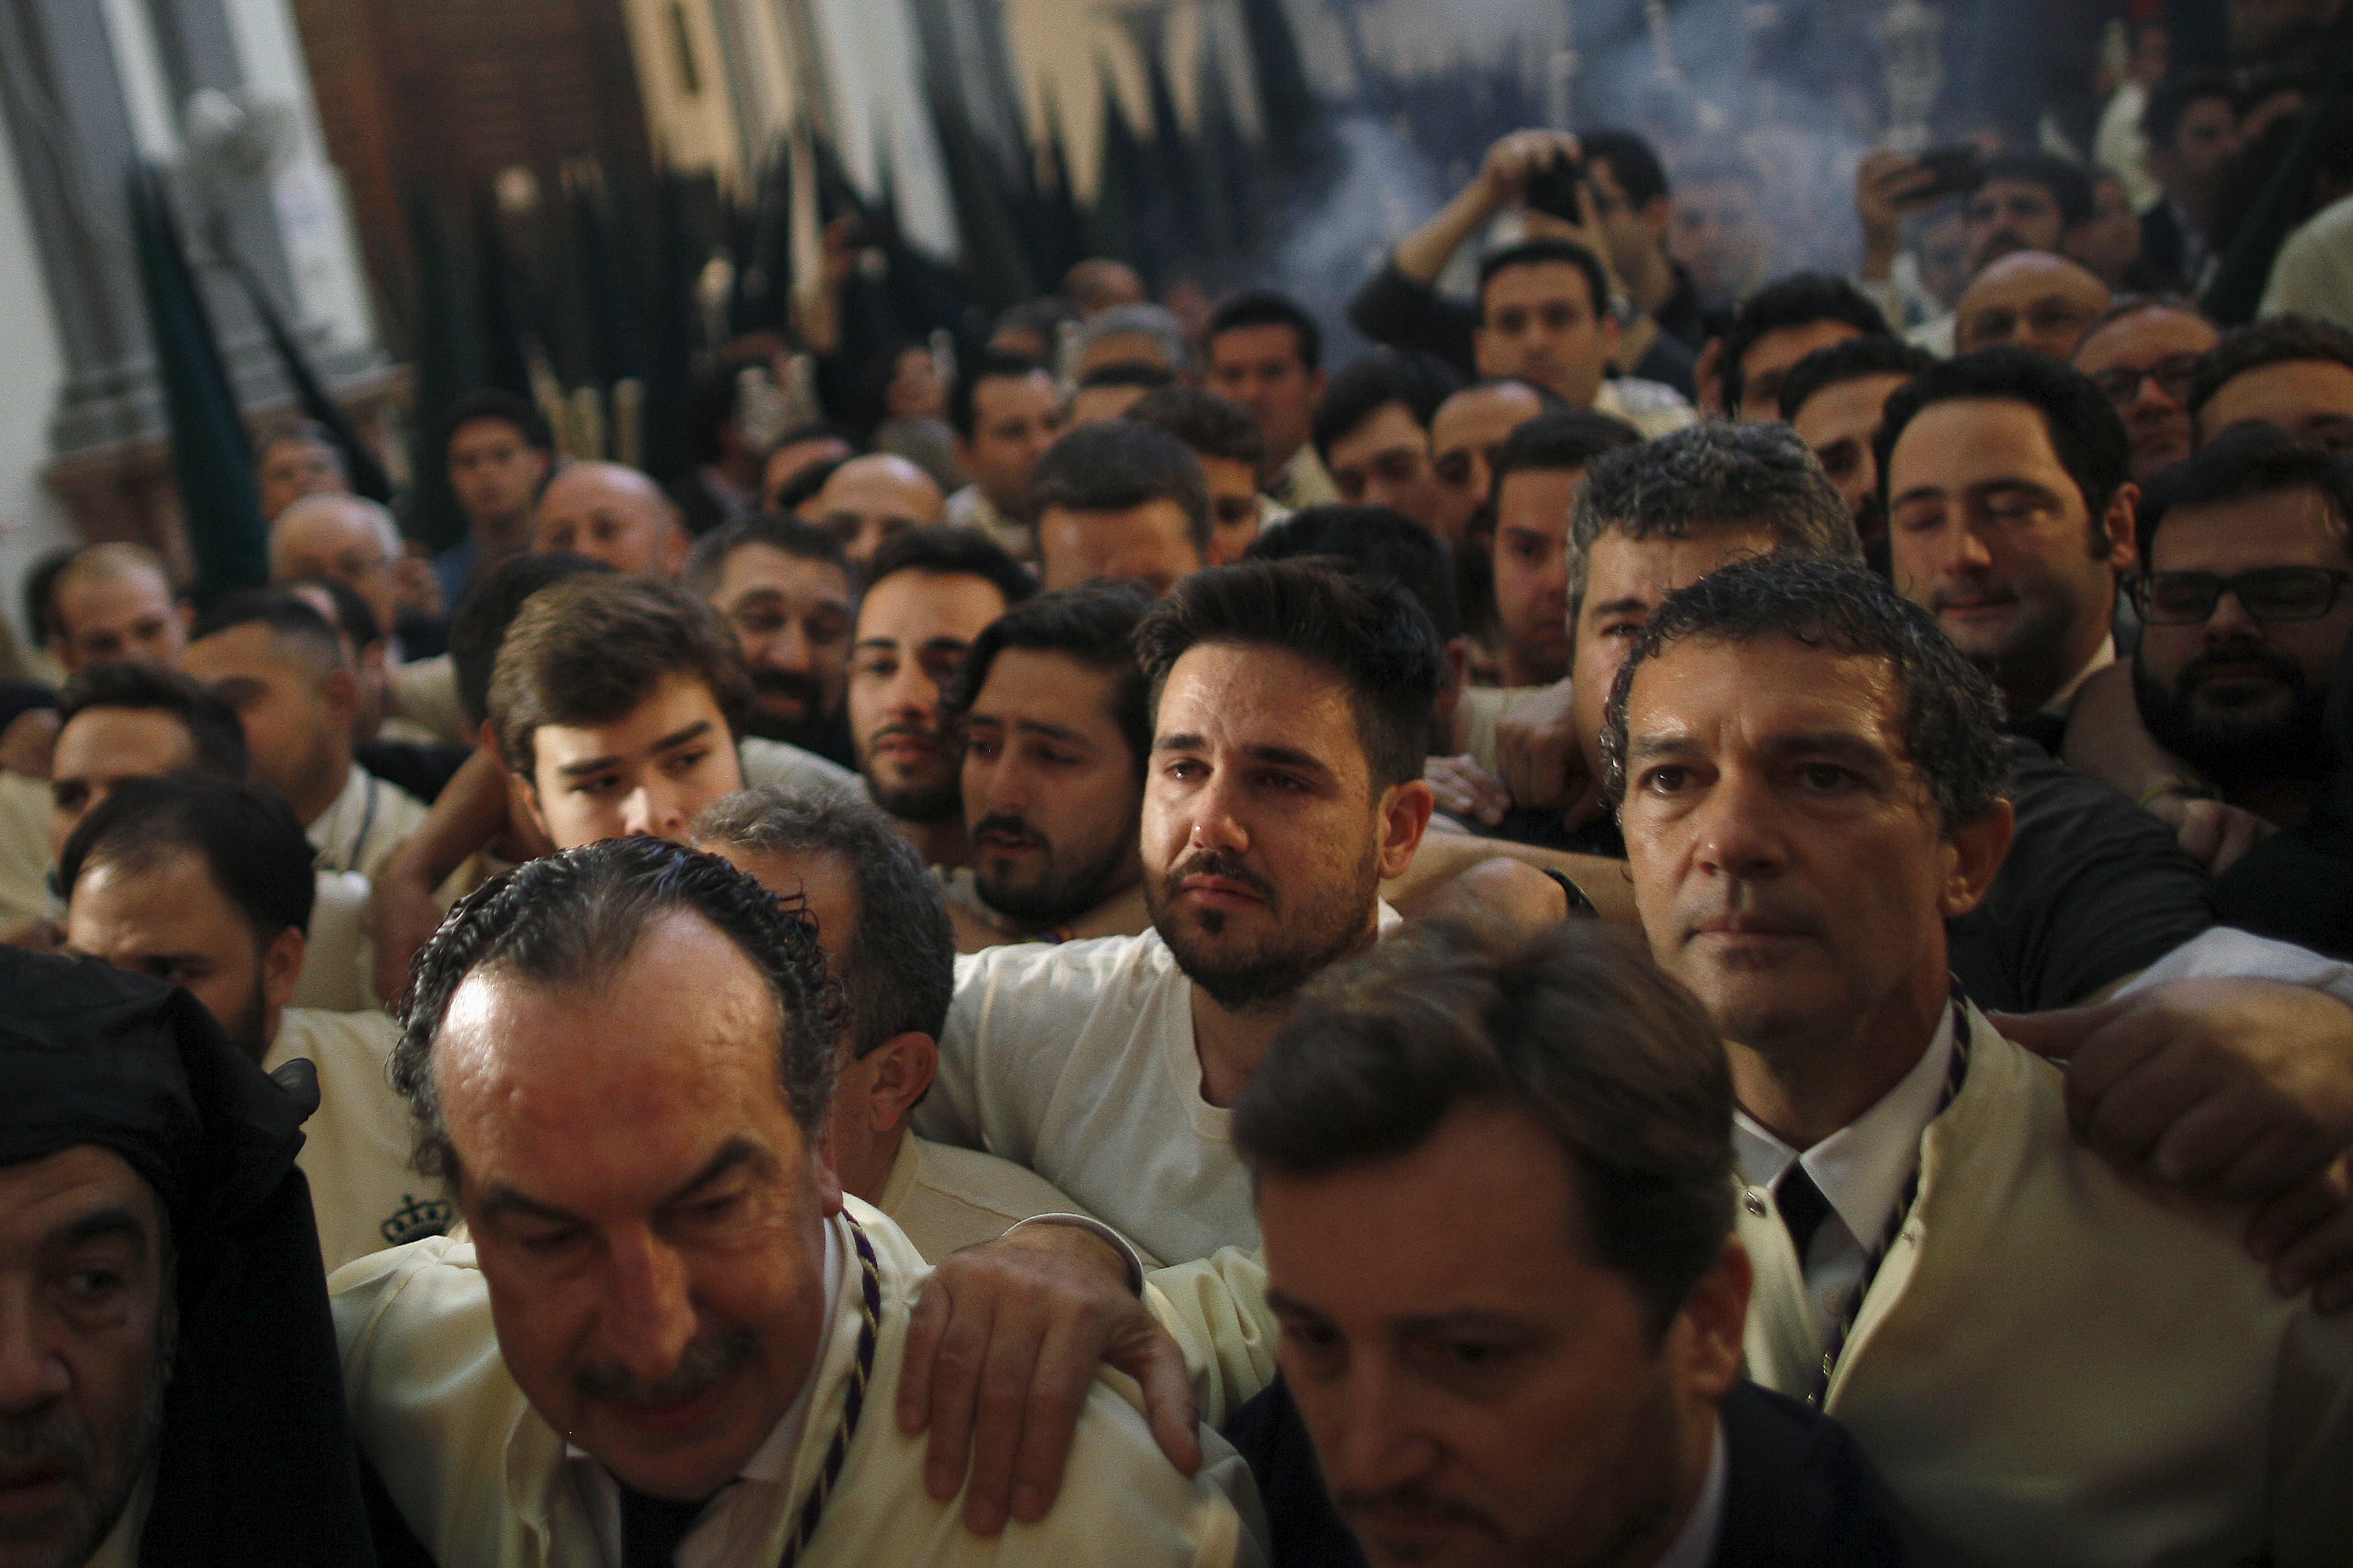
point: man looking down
(670, 1332)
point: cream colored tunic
(2060, 1364)
(359, 831)
(24, 857)
(424, 694)
(482, 1480)
(947, 1199)
(356, 1147)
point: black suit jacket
(1799, 1491)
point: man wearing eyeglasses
(2032, 298)
(2144, 354)
(2244, 617)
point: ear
(2124, 539)
(903, 1068)
(676, 544)
(1656, 215)
(1319, 381)
(1707, 1333)
(187, 610)
(1708, 375)
(1405, 816)
(1612, 335)
(828, 1180)
(340, 691)
(1977, 848)
(281, 966)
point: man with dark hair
(866, 501)
(1224, 438)
(2025, 199)
(499, 451)
(931, 592)
(293, 460)
(2290, 371)
(614, 703)
(279, 663)
(1835, 399)
(1465, 433)
(1051, 711)
(611, 513)
(1537, 471)
(1606, 1421)
(2244, 624)
(2031, 299)
(798, 450)
(1720, 236)
(1121, 500)
(1559, 329)
(1780, 324)
(1108, 391)
(1812, 778)
(1267, 354)
(206, 883)
(2191, 127)
(122, 721)
(783, 585)
(1006, 411)
(2009, 506)
(887, 938)
(150, 1216)
(1372, 433)
(731, 419)
(1290, 716)
(670, 1334)
(2144, 354)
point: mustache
(707, 1360)
(2276, 665)
(50, 1438)
(1743, 902)
(1411, 1502)
(1976, 592)
(1217, 863)
(1011, 826)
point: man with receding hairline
(2032, 298)
(115, 601)
(611, 514)
(867, 500)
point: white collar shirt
(2103, 657)
(742, 1516)
(1862, 1169)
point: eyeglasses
(2267, 594)
(2172, 374)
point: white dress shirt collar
(1862, 1166)
(2102, 657)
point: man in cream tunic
(671, 1339)
(2051, 1361)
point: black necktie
(653, 1528)
(1804, 1207)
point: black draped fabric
(256, 1463)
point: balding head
(612, 513)
(346, 539)
(115, 601)
(2032, 298)
(869, 498)
(1097, 284)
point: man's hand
(1503, 174)
(1465, 789)
(1887, 187)
(1501, 889)
(1538, 754)
(2212, 832)
(402, 917)
(2231, 1089)
(1001, 1352)
(2305, 1237)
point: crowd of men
(1642, 929)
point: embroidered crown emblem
(416, 1220)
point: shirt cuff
(2226, 952)
(1095, 1226)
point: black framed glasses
(2172, 374)
(2267, 594)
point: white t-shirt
(1076, 1060)
(357, 1145)
(768, 762)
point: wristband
(1118, 1243)
(1580, 906)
